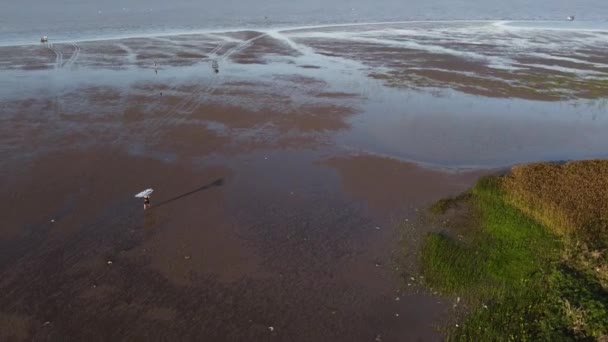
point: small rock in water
(397, 299)
(187, 257)
(46, 323)
(53, 221)
(396, 315)
(271, 328)
(109, 262)
(378, 338)
(377, 228)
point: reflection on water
(452, 129)
(455, 94)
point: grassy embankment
(530, 260)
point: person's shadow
(218, 182)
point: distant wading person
(146, 202)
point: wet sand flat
(224, 253)
(280, 181)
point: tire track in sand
(192, 102)
(74, 56)
(199, 88)
(156, 124)
(212, 86)
(58, 56)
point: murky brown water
(279, 181)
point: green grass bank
(525, 255)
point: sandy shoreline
(280, 180)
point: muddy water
(279, 181)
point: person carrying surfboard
(146, 196)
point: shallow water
(450, 94)
(25, 21)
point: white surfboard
(145, 193)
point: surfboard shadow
(217, 182)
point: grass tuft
(443, 205)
